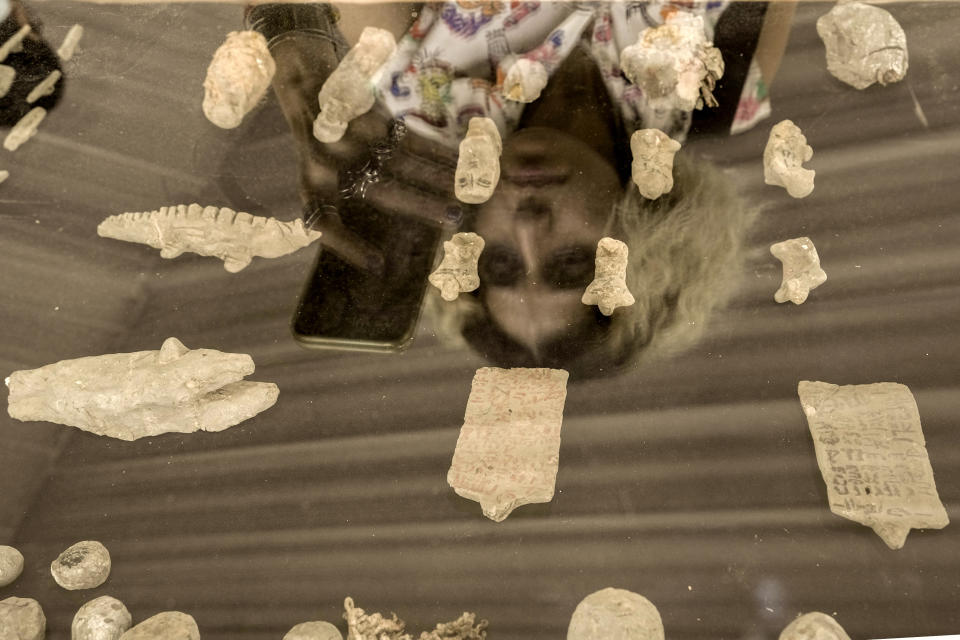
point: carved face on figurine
(478, 165)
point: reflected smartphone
(344, 307)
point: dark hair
(34, 63)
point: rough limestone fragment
(478, 163)
(169, 625)
(11, 565)
(45, 87)
(4, 174)
(873, 457)
(145, 393)
(317, 630)
(363, 626)
(237, 78)
(234, 237)
(508, 451)
(653, 153)
(814, 626)
(615, 614)
(609, 287)
(84, 565)
(525, 80)
(674, 64)
(69, 45)
(104, 618)
(465, 627)
(786, 151)
(348, 91)
(22, 619)
(25, 128)
(801, 269)
(864, 43)
(14, 43)
(457, 272)
(7, 75)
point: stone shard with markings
(865, 44)
(84, 565)
(652, 169)
(104, 618)
(615, 614)
(786, 151)
(11, 565)
(478, 162)
(237, 79)
(22, 619)
(801, 269)
(814, 626)
(609, 287)
(457, 272)
(169, 625)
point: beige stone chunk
(11, 565)
(7, 75)
(84, 565)
(374, 626)
(145, 393)
(786, 151)
(317, 630)
(478, 163)
(69, 45)
(25, 129)
(45, 87)
(236, 238)
(864, 43)
(169, 625)
(237, 78)
(465, 627)
(14, 43)
(801, 269)
(609, 287)
(22, 619)
(814, 626)
(615, 614)
(4, 174)
(457, 272)
(104, 618)
(653, 152)
(348, 92)
(525, 80)
(508, 451)
(873, 457)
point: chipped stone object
(145, 393)
(84, 565)
(509, 446)
(25, 128)
(348, 91)
(14, 43)
(7, 75)
(457, 272)
(317, 630)
(22, 619)
(465, 627)
(801, 269)
(69, 45)
(45, 87)
(873, 457)
(615, 614)
(169, 625)
(786, 151)
(237, 78)
(525, 80)
(814, 626)
(674, 64)
(478, 163)
(234, 237)
(609, 287)
(653, 153)
(4, 174)
(363, 626)
(104, 618)
(864, 43)
(11, 565)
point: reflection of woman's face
(541, 229)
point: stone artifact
(169, 625)
(7, 75)
(348, 91)
(509, 446)
(674, 64)
(814, 626)
(69, 45)
(14, 43)
(234, 237)
(615, 614)
(457, 272)
(104, 618)
(653, 153)
(22, 619)
(25, 128)
(4, 175)
(786, 151)
(465, 627)
(363, 626)
(801, 269)
(314, 631)
(11, 565)
(525, 80)
(609, 287)
(237, 78)
(45, 87)
(478, 163)
(84, 565)
(864, 43)
(145, 393)
(873, 457)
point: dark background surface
(692, 482)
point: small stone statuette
(69, 45)
(22, 619)
(84, 565)
(615, 614)
(145, 393)
(653, 153)
(317, 630)
(104, 618)
(674, 64)
(801, 269)
(348, 92)
(169, 625)
(11, 565)
(864, 43)
(814, 626)
(478, 164)
(457, 272)
(525, 80)
(609, 287)
(7, 75)
(786, 151)
(363, 626)
(237, 78)
(25, 128)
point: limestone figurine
(84, 565)
(801, 269)
(814, 626)
(145, 393)
(70, 41)
(457, 272)
(478, 163)
(316, 630)
(22, 619)
(45, 87)
(525, 80)
(234, 237)
(786, 151)
(237, 78)
(103, 618)
(11, 565)
(653, 152)
(25, 129)
(615, 614)
(169, 625)
(609, 287)
(7, 75)
(14, 43)
(864, 43)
